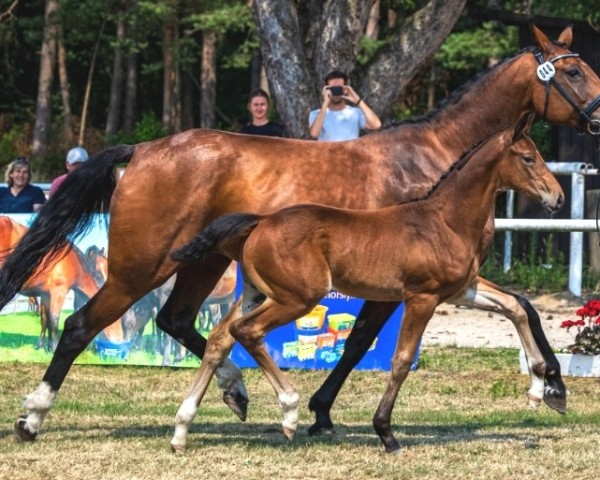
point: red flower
(567, 324)
(582, 312)
(580, 323)
(597, 322)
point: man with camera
(336, 120)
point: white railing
(576, 225)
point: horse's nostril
(560, 201)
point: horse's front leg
(369, 323)
(177, 317)
(79, 330)
(418, 311)
(544, 369)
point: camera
(336, 91)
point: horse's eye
(529, 160)
(573, 73)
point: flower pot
(571, 364)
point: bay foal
(422, 252)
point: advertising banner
(315, 341)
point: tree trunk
(130, 115)
(298, 56)
(65, 90)
(208, 80)
(114, 104)
(187, 101)
(47, 61)
(286, 63)
(169, 76)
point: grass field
(462, 415)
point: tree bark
(208, 80)
(43, 110)
(114, 103)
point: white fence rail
(576, 225)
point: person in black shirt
(258, 106)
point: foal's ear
(566, 36)
(523, 126)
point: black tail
(225, 229)
(67, 215)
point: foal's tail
(67, 215)
(222, 234)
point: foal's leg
(544, 369)
(418, 311)
(369, 323)
(80, 328)
(250, 331)
(218, 347)
(57, 298)
(177, 317)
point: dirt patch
(474, 328)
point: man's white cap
(77, 155)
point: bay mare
(422, 252)
(175, 185)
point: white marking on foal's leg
(38, 403)
(229, 378)
(289, 405)
(183, 420)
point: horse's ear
(566, 36)
(523, 126)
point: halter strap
(545, 73)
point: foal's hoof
(534, 402)
(177, 449)
(22, 434)
(238, 404)
(289, 433)
(556, 400)
(394, 449)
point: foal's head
(522, 168)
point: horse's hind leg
(79, 330)
(369, 323)
(544, 369)
(178, 315)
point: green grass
(462, 415)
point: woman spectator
(258, 106)
(20, 196)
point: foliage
(468, 50)
(587, 338)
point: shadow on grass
(269, 435)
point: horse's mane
(457, 94)
(457, 165)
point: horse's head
(566, 89)
(98, 263)
(523, 169)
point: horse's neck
(466, 198)
(494, 102)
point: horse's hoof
(316, 429)
(395, 450)
(290, 433)
(22, 434)
(558, 404)
(534, 402)
(238, 404)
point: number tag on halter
(545, 71)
